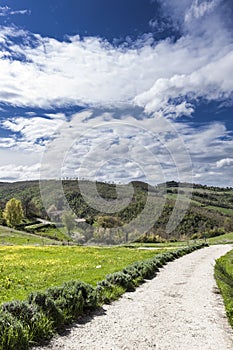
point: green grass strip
(224, 278)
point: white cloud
(212, 82)
(7, 142)
(95, 147)
(224, 162)
(7, 11)
(33, 133)
(160, 25)
(14, 172)
(153, 149)
(166, 78)
(187, 13)
(91, 146)
(199, 9)
(92, 72)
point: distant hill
(210, 211)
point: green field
(32, 263)
(9, 236)
(223, 239)
(224, 278)
(220, 209)
(58, 234)
(165, 245)
(27, 269)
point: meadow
(29, 322)
(25, 269)
(222, 239)
(224, 278)
(9, 236)
(31, 263)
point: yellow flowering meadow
(24, 269)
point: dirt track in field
(180, 309)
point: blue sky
(117, 90)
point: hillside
(209, 213)
(9, 236)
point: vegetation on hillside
(209, 213)
(9, 236)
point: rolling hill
(208, 210)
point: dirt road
(180, 309)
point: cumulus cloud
(14, 172)
(7, 142)
(212, 82)
(96, 148)
(31, 133)
(165, 75)
(224, 162)
(153, 150)
(120, 86)
(105, 147)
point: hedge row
(35, 320)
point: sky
(117, 90)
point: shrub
(132, 271)
(87, 291)
(68, 300)
(214, 232)
(73, 298)
(106, 292)
(146, 269)
(122, 279)
(48, 307)
(37, 325)
(13, 336)
(21, 310)
(150, 238)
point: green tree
(29, 207)
(2, 220)
(107, 221)
(13, 212)
(68, 221)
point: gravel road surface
(179, 309)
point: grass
(223, 239)
(31, 322)
(224, 279)
(10, 236)
(220, 209)
(166, 245)
(49, 232)
(27, 269)
(184, 198)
